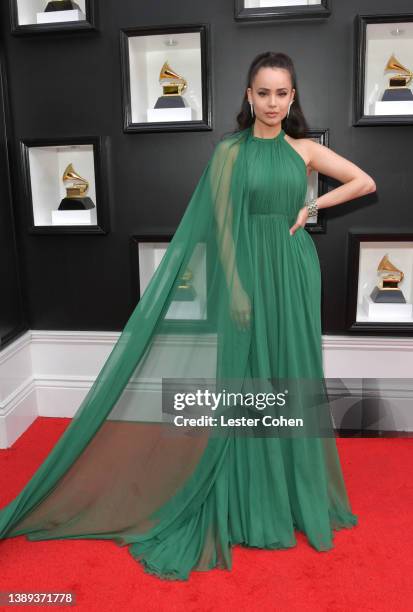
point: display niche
(41, 16)
(380, 283)
(166, 78)
(259, 10)
(65, 185)
(317, 186)
(189, 309)
(383, 92)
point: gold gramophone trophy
(76, 188)
(387, 289)
(173, 86)
(185, 292)
(398, 84)
(62, 5)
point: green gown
(179, 497)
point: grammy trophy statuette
(185, 292)
(387, 289)
(173, 85)
(398, 84)
(76, 188)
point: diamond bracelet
(312, 207)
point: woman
(181, 496)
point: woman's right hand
(240, 307)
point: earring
(252, 109)
(289, 106)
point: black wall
(12, 317)
(84, 281)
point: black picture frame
(102, 184)
(355, 238)
(171, 126)
(301, 12)
(361, 23)
(89, 25)
(175, 325)
(320, 225)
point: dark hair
(295, 125)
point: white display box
(382, 41)
(280, 3)
(74, 217)
(47, 164)
(28, 12)
(60, 16)
(169, 114)
(387, 312)
(400, 107)
(400, 255)
(147, 54)
(150, 256)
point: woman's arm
(355, 181)
(221, 178)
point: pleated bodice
(277, 176)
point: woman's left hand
(300, 221)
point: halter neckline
(279, 135)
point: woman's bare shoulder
(302, 147)
(302, 142)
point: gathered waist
(279, 215)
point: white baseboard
(48, 373)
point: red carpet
(370, 568)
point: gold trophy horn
(399, 80)
(176, 83)
(390, 280)
(79, 185)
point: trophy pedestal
(397, 95)
(74, 217)
(387, 311)
(169, 114)
(76, 204)
(395, 107)
(184, 295)
(59, 16)
(170, 102)
(386, 296)
(186, 310)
